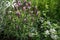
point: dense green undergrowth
(30, 20)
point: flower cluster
(8, 3)
(16, 4)
(52, 33)
(24, 6)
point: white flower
(29, 7)
(42, 19)
(31, 34)
(52, 30)
(48, 22)
(31, 11)
(10, 11)
(13, 5)
(24, 8)
(47, 32)
(7, 4)
(54, 37)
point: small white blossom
(52, 30)
(7, 4)
(33, 29)
(47, 32)
(31, 34)
(10, 11)
(29, 7)
(13, 5)
(48, 22)
(54, 37)
(24, 8)
(25, 19)
(31, 11)
(42, 19)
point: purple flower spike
(16, 5)
(18, 13)
(29, 3)
(19, 3)
(29, 7)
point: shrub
(29, 20)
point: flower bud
(25, 19)
(24, 8)
(17, 27)
(8, 3)
(29, 3)
(37, 12)
(16, 5)
(26, 4)
(29, 7)
(19, 3)
(18, 13)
